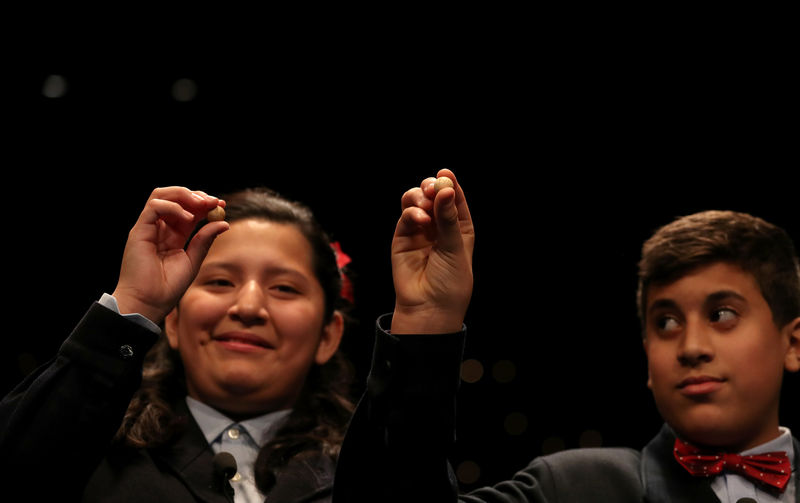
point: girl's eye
(286, 289)
(219, 282)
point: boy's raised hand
(432, 259)
(156, 269)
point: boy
(719, 301)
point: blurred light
(516, 423)
(184, 90)
(590, 438)
(552, 444)
(504, 371)
(468, 472)
(54, 86)
(471, 371)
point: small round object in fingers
(216, 215)
(441, 183)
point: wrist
(426, 320)
(130, 304)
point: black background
(572, 144)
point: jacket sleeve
(398, 442)
(588, 474)
(56, 425)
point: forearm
(404, 426)
(414, 379)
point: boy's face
(716, 358)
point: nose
(250, 306)
(696, 345)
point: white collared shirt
(242, 439)
(730, 487)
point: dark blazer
(56, 429)
(397, 446)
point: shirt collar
(212, 422)
(782, 443)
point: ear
(792, 330)
(171, 328)
(331, 337)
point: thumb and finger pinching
(446, 214)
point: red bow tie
(770, 468)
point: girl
(246, 363)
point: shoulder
(598, 458)
(597, 474)
(590, 471)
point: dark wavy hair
(320, 416)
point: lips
(242, 341)
(700, 385)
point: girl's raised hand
(156, 268)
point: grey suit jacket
(606, 475)
(398, 443)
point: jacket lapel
(306, 478)
(190, 458)
(664, 480)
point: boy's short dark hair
(758, 247)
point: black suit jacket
(398, 443)
(56, 429)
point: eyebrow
(661, 304)
(712, 298)
(724, 295)
(272, 270)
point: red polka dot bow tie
(770, 468)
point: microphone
(225, 468)
(224, 465)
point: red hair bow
(342, 259)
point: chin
(241, 384)
(244, 397)
(708, 428)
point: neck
(240, 410)
(744, 444)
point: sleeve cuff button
(126, 352)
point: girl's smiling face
(251, 324)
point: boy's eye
(667, 323)
(723, 315)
